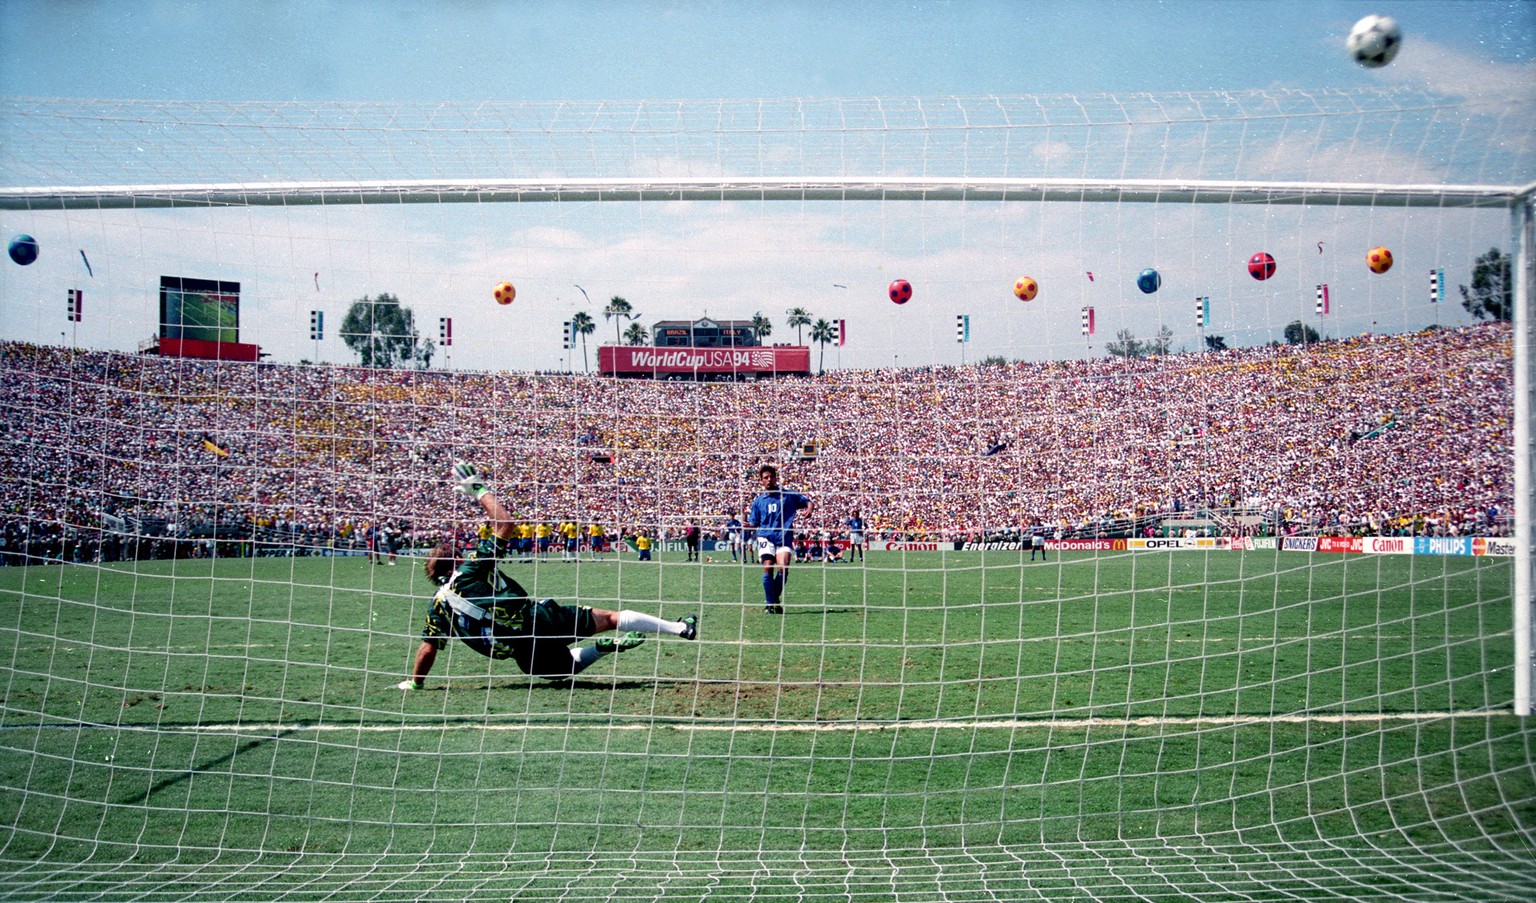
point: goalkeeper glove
(471, 485)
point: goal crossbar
(439, 191)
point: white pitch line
(1262, 641)
(802, 728)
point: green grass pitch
(927, 726)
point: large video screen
(202, 309)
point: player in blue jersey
(856, 535)
(773, 515)
(733, 536)
(493, 615)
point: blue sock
(768, 587)
(778, 588)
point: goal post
(1516, 198)
(493, 191)
(1524, 227)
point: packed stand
(1401, 434)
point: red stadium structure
(704, 363)
(202, 349)
(704, 350)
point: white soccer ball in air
(1374, 41)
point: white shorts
(766, 549)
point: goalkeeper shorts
(544, 651)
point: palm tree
(583, 325)
(618, 309)
(762, 326)
(799, 317)
(822, 333)
(635, 334)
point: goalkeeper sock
(635, 620)
(586, 655)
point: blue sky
(690, 260)
(394, 51)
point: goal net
(1202, 573)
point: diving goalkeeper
(493, 615)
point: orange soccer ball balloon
(1378, 259)
(504, 293)
(1026, 288)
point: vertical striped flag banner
(1087, 321)
(1202, 312)
(1436, 286)
(1322, 300)
(445, 330)
(316, 325)
(76, 305)
(963, 328)
(842, 333)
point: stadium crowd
(1376, 434)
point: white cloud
(1452, 73)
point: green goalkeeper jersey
(480, 605)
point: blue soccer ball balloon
(23, 249)
(1149, 281)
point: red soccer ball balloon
(1026, 288)
(1261, 266)
(901, 291)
